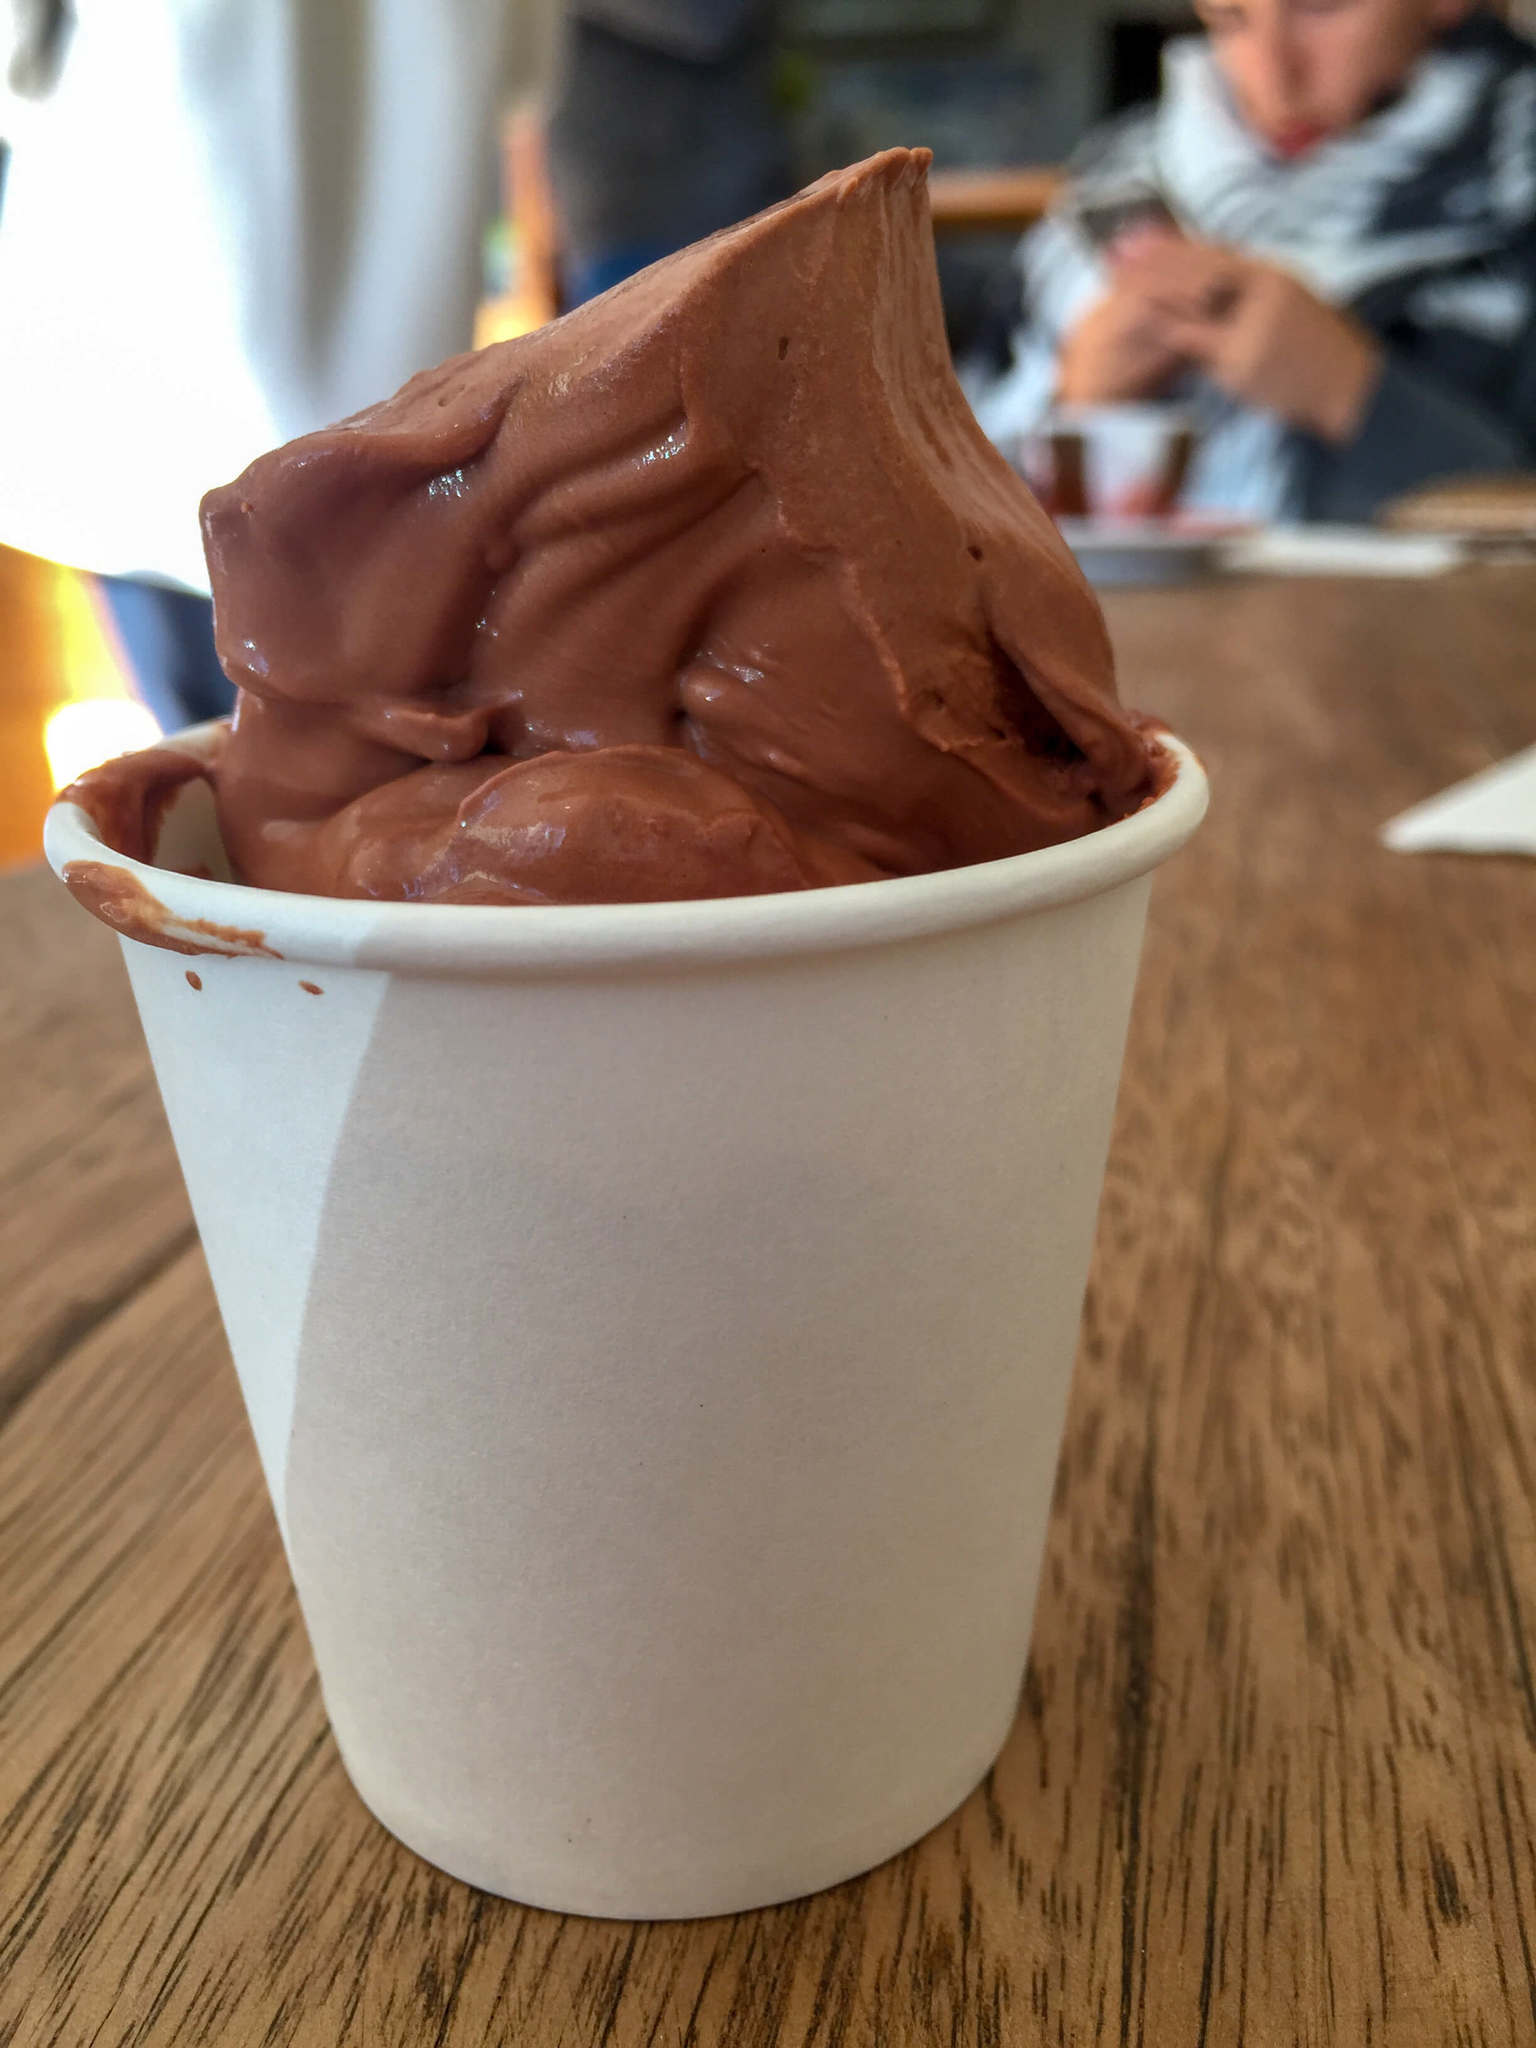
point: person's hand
(1259, 333)
(1117, 351)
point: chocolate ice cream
(712, 587)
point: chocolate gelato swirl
(712, 587)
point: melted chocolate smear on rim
(127, 799)
(122, 901)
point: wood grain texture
(91, 1201)
(1273, 1780)
(993, 201)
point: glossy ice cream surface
(712, 587)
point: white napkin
(1341, 551)
(1491, 812)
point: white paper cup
(1110, 461)
(656, 1324)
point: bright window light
(83, 735)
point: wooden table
(1274, 1776)
(993, 201)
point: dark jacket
(664, 126)
(1458, 390)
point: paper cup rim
(495, 941)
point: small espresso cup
(1115, 462)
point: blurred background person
(224, 223)
(663, 128)
(1326, 242)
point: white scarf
(1318, 216)
(1315, 215)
